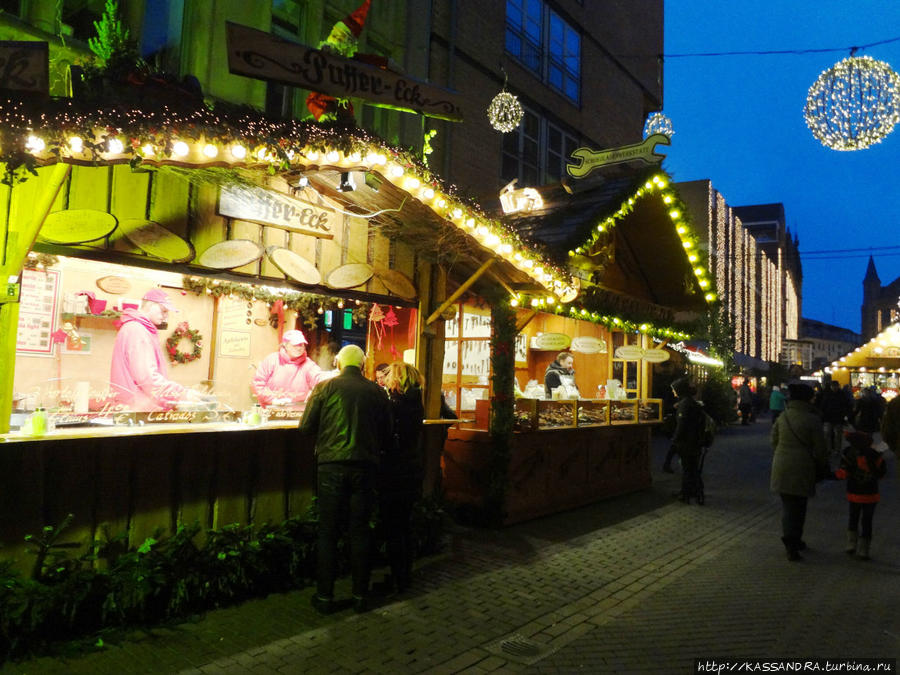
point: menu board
(236, 318)
(37, 312)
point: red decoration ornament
(183, 331)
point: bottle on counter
(39, 422)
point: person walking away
(745, 402)
(868, 410)
(776, 402)
(689, 425)
(861, 466)
(799, 444)
(834, 413)
(401, 471)
(350, 419)
(890, 426)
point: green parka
(799, 442)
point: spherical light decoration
(505, 112)
(657, 123)
(854, 104)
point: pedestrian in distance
(776, 402)
(745, 402)
(868, 410)
(799, 445)
(687, 439)
(861, 466)
(834, 409)
(349, 416)
(401, 471)
(890, 425)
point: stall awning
(882, 352)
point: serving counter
(563, 454)
(136, 479)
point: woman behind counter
(401, 470)
(286, 377)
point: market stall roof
(880, 354)
(623, 232)
(240, 146)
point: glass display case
(593, 413)
(556, 414)
(532, 414)
(650, 410)
(623, 411)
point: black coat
(689, 427)
(401, 472)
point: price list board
(37, 312)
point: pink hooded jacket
(280, 377)
(138, 373)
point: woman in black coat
(401, 472)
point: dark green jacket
(350, 418)
(689, 425)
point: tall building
(756, 265)
(880, 305)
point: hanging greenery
(308, 306)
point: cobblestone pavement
(640, 583)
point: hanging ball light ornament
(505, 112)
(657, 123)
(854, 104)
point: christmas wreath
(183, 331)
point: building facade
(880, 305)
(756, 264)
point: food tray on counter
(533, 414)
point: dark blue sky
(738, 121)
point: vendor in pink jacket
(286, 377)
(139, 372)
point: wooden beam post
(17, 242)
(459, 291)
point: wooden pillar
(432, 286)
(18, 240)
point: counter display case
(536, 414)
(593, 413)
(650, 410)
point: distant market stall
(874, 364)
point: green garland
(184, 332)
(503, 354)
(307, 305)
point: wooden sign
(77, 226)
(114, 285)
(630, 353)
(397, 283)
(551, 342)
(294, 265)
(350, 276)
(25, 66)
(655, 355)
(278, 210)
(229, 254)
(586, 160)
(259, 54)
(154, 239)
(587, 344)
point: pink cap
(157, 295)
(294, 337)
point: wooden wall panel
(207, 227)
(331, 252)
(241, 229)
(272, 237)
(89, 187)
(169, 202)
(128, 200)
(380, 259)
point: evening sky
(738, 121)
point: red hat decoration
(357, 19)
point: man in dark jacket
(689, 425)
(350, 418)
(835, 411)
(560, 372)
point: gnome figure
(344, 41)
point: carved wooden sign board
(25, 66)
(278, 210)
(255, 53)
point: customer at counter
(286, 377)
(560, 373)
(139, 372)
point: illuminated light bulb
(693, 257)
(411, 182)
(370, 158)
(710, 297)
(506, 249)
(667, 199)
(210, 150)
(534, 302)
(699, 271)
(290, 155)
(600, 227)
(517, 257)
(380, 159)
(643, 327)
(704, 283)
(456, 213)
(514, 302)
(181, 149)
(662, 183)
(551, 300)
(261, 154)
(395, 171)
(355, 157)
(440, 203)
(878, 350)
(681, 229)
(115, 146)
(529, 263)
(470, 223)
(312, 156)
(427, 193)
(320, 310)
(674, 214)
(481, 231)
(35, 144)
(687, 244)
(539, 271)
(616, 320)
(238, 151)
(584, 311)
(492, 239)
(76, 144)
(332, 156)
(647, 185)
(147, 150)
(340, 304)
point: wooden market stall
(874, 364)
(641, 271)
(252, 227)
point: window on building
(546, 44)
(537, 152)
(467, 359)
(286, 24)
